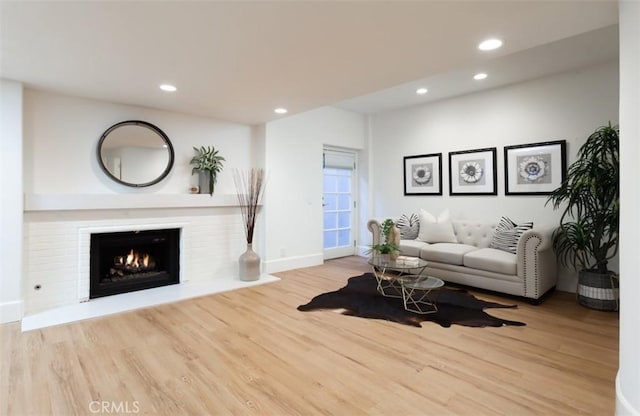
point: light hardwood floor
(251, 352)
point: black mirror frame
(150, 126)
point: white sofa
(529, 273)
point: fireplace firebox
(127, 261)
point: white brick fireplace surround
(57, 232)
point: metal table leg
(414, 304)
(387, 286)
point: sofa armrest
(374, 226)
(536, 261)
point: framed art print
(423, 174)
(473, 172)
(534, 169)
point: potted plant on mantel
(388, 249)
(208, 163)
(587, 237)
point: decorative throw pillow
(409, 226)
(507, 234)
(436, 230)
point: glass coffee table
(391, 275)
(416, 293)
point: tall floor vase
(249, 264)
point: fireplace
(127, 261)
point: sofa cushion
(450, 253)
(474, 233)
(409, 226)
(491, 260)
(507, 234)
(412, 247)
(436, 230)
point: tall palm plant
(587, 237)
(588, 234)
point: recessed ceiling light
(280, 110)
(490, 44)
(168, 88)
(422, 91)
(480, 76)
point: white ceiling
(580, 51)
(237, 61)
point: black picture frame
(416, 169)
(534, 168)
(473, 172)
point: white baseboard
(363, 251)
(11, 311)
(623, 407)
(290, 263)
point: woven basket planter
(598, 291)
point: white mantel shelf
(76, 202)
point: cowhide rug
(455, 306)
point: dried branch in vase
(249, 188)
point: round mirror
(135, 153)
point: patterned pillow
(409, 226)
(507, 234)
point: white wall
(293, 200)
(366, 191)
(61, 134)
(628, 380)
(11, 95)
(564, 106)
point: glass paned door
(338, 207)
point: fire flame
(134, 259)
